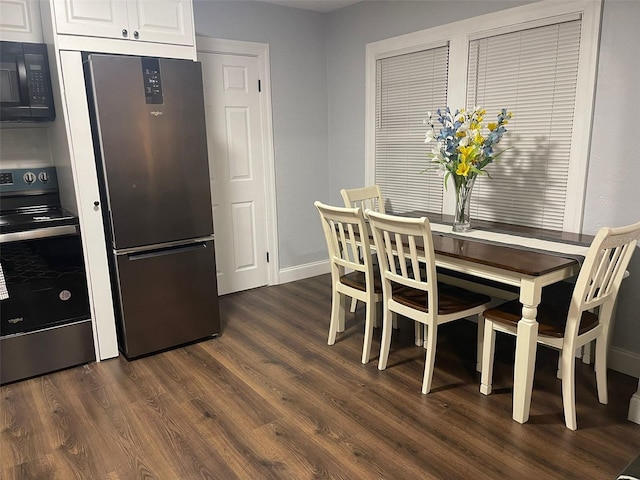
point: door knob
(96, 204)
(136, 34)
(124, 32)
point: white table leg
(525, 360)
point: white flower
(430, 135)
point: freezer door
(168, 297)
(151, 141)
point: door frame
(261, 52)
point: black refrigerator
(150, 142)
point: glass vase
(461, 220)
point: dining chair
(410, 286)
(342, 227)
(570, 316)
(366, 198)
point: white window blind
(407, 87)
(534, 74)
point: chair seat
(357, 280)
(451, 299)
(552, 312)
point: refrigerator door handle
(167, 251)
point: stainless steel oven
(45, 321)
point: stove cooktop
(35, 218)
(30, 201)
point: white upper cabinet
(163, 21)
(157, 21)
(20, 21)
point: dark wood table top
(530, 232)
(514, 259)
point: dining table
(521, 259)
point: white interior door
(234, 134)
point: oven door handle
(37, 233)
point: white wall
(319, 135)
(613, 194)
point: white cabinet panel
(103, 18)
(20, 21)
(89, 208)
(157, 21)
(162, 21)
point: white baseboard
(627, 362)
(300, 272)
(624, 361)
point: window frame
(458, 35)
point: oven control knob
(29, 178)
(43, 177)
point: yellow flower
(460, 134)
(492, 126)
(466, 153)
(463, 169)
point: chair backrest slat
(415, 264)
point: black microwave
(25, 88)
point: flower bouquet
(463, 150)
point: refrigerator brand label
(156, 114)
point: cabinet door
(102, 18)
(20, 21)
(161, 21)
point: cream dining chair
(342, 227)
(410, 286)
(570, 316)
(367, 198)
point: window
(539, 62)
(407, 87)
(534, 73)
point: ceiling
(315, 5)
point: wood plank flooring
(269, 399)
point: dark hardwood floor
(270, 399)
